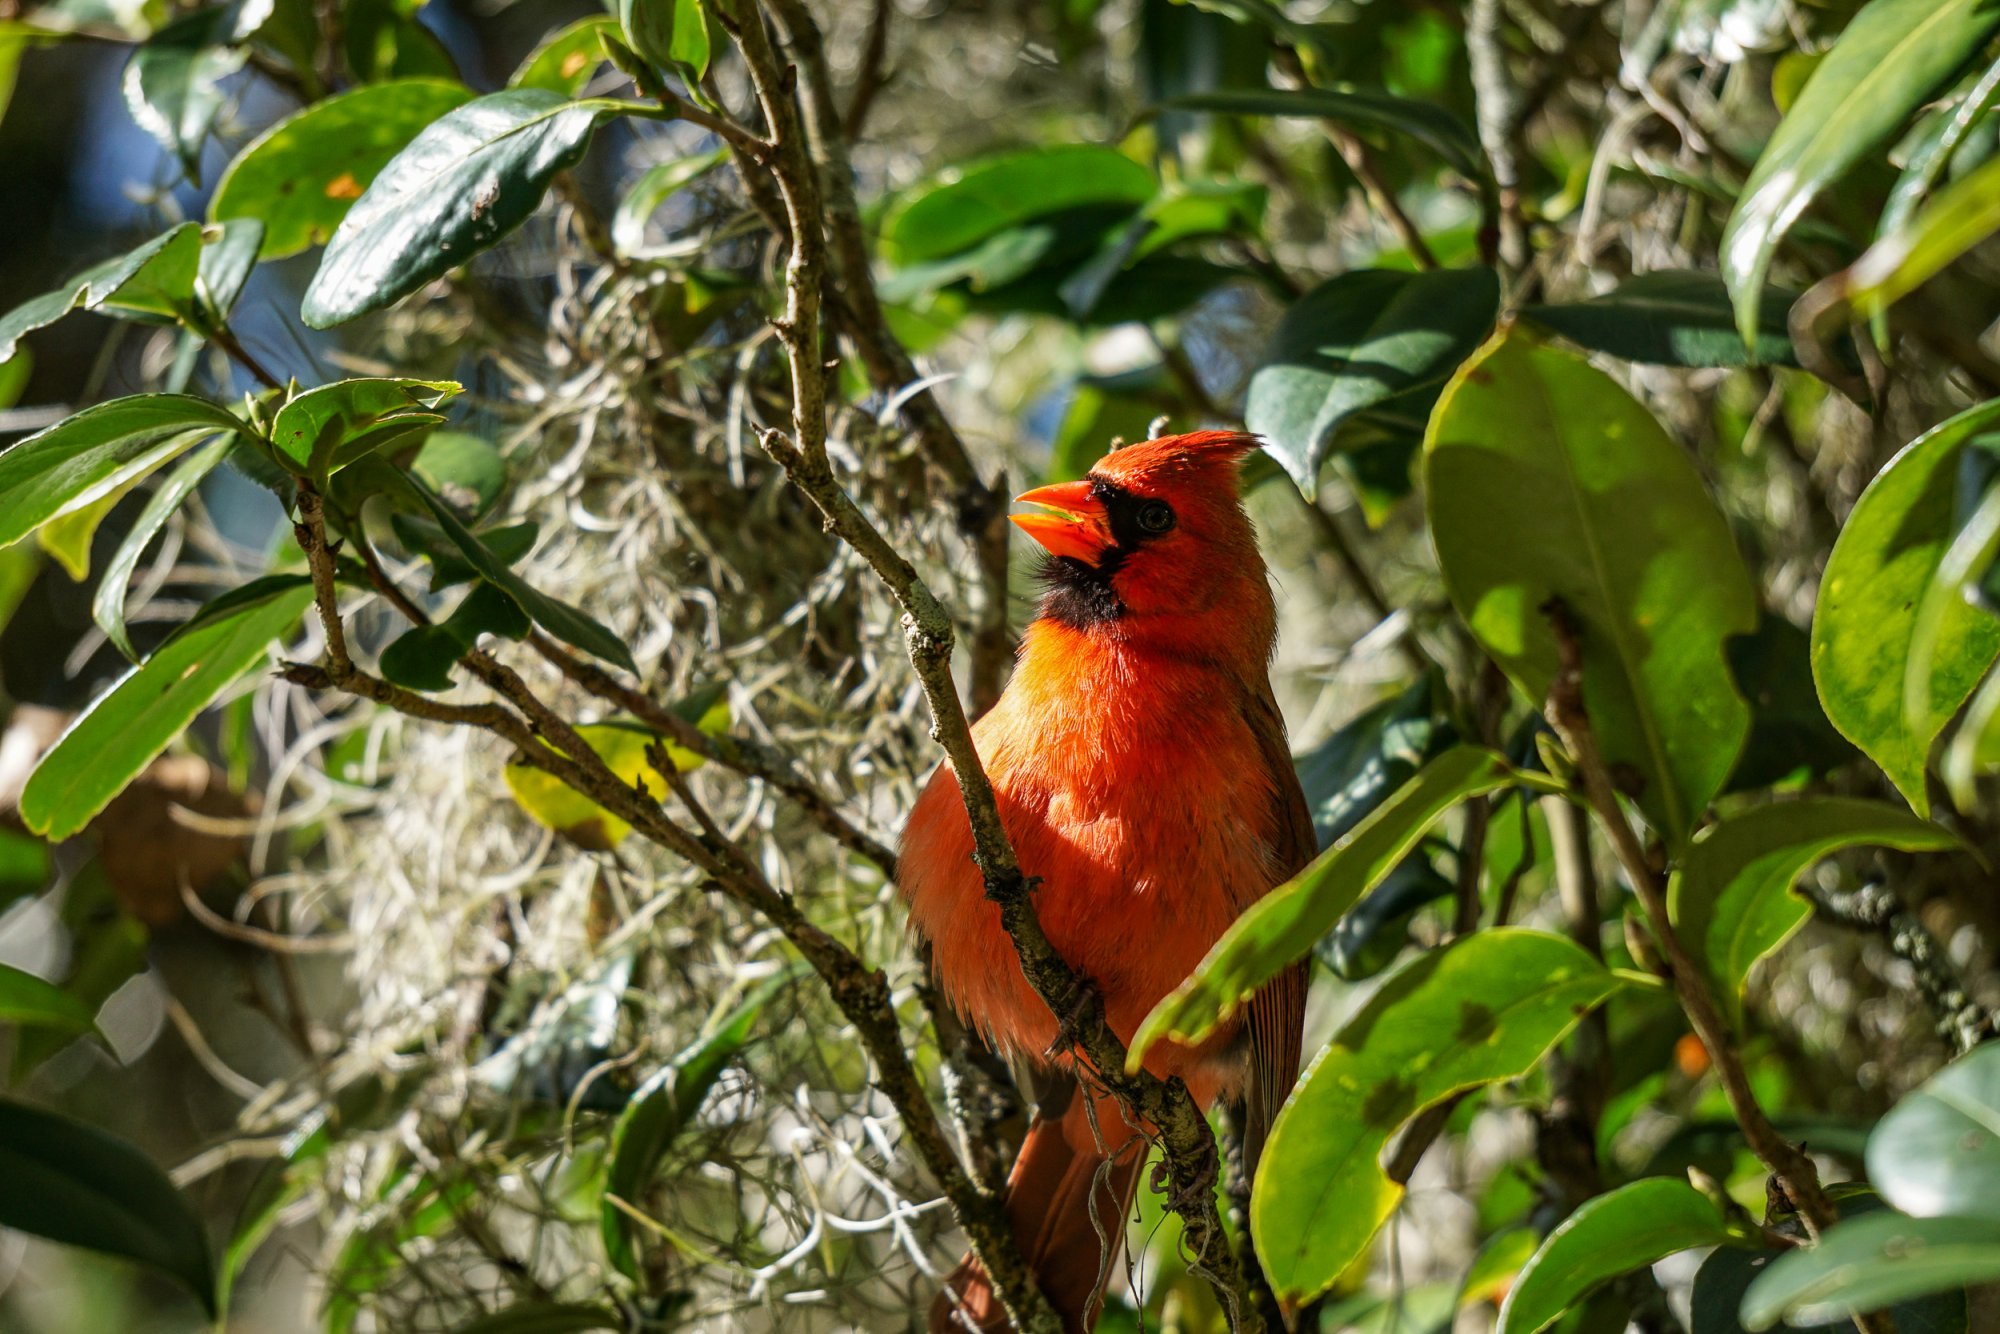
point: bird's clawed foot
(1085, 1008)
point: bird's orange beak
(1075, 526)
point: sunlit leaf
(1886, 556)
(966, 205)
(324, 430)
(1547, 480)
(1355, 342)
(1672, 317)
(173, 82)
(164, 265)
(1892, 56)
(1483, 1008)
(566, 60)
(1731, 895)
(107, 604)
(1871, 1262)
(622, 746)
(107, 746)
(303, 174)
(1614, 1234)
(1938, 1150)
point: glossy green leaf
(1484, 1008)
(1445, 134)
(1620, 1231)
(303, 174)
(73, 1183)
(376, 1254)
(667, 32)
(968, 204)
(565, 62)
(1938, 1150)
(465, 181)
(324, 430)
(229, 253)
(1731, 897)
(1496, 1265)
(107, 603)
(554, 804)
(119, 735)
(1938, 138)
(1885, 558)
(1545, 480)
(560, 619)
(1871, 1262)
(1284, 924)
(1355, 342)
(422, 658)
(173, 82)
(165, 264)
(1180, 212)
(96, 452)
(507, 545)
(1891, 58)
(1354, 770)
(1673, 317)
(1729, 1271)
(663, 1106)
(1964, 214)
(27, 1001)
(660, 181)
(543, 1318)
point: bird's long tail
(1068, 1201)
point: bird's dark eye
(1156, 516)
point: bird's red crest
(1156, 460)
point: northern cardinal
(1141, 770)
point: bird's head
(1155, 530)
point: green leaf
(662, 1107)
(1938, 1150)
(465, 181)
(661, 180)
(27, 1001)
(75, 1184)
(1964, 214)
(1374, 931)
(544, 1318)
(1731, 897)
(324, 430)
(1484, 1008)
(1355, 342)
(1673, 317)
(668, 33)
(422, 658)
(107, 950)
(173, 82)
(506, 545)
(622, 746)
(95, 453)
(1430, 125)
(107, 603)
(164, 265)
(1891, 58)
(229, 253)
(566, 61)
(303, 174)
(560, 619)
(107, 746)
(1886, 556)
(1103, 408)
(466, 471)
(1616, 1233)
(383, 40)
(1937, 139)
(69, 538)
(1729, 1271)
(1546, 480)
(1868, 1263)
(1284, 924)
(1496, 1265)
(966, 205)
(1180, 212)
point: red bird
(1141, 770)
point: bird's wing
(1278, 1010)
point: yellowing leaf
(622, 746)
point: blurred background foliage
(420, 1035)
